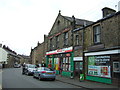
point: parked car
(44, 73)
(29, 69)
(17, 66)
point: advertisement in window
(99, 66)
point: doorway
(78, 68)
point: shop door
(78, 69)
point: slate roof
(105, 18)
(79, 21)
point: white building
(3, 55)
(119, 6)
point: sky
(24, 22)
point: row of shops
(101, 66)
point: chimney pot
(107, 11)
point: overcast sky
(24, 22)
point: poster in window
(66, 59)
(69, 67)
(91, 60)
(96, 66)
(69, 59)
(63, 67)
(102, 71)
(57, 64)
(105, 71)
(63, 60)
(66, 67)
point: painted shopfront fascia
(99, 66)
(55, 61)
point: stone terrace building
(101, 48)
(37, 54)
(60, 53)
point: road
(12, 78)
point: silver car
(29, 69)
(44, 73)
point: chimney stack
(107, 11)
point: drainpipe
(83, 31)
(73, 27)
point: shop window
(56, 64)
(51, 44)
(50, 63)
(97, 34)
(66, 64)
(77, 40)
(99, 66)
(57, 41)
(116, 66)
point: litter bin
(81, 77)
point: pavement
(0, 79)
(86, 84)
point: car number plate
(49, 73)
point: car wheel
(53, 79)
(34, 76)
(40, 78)
(27, 73)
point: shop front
(78, 66)
(103, 66)
(61, 60)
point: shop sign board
(78, 59)
(64, 50)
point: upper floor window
(66, 38)
(97, 34)
(57, 41)
(51, 44)
(77, 40)
(58, 23)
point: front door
(78, 68)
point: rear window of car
(45, 68)
(31, 66)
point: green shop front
(61, 60)
(103, 66)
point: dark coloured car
(29, 69)
(44, 73)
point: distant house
(37, 54)
(8, 57)
(24, 59)
(3, 55)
